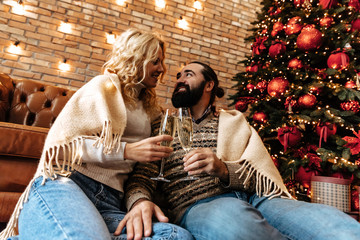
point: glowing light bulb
(197, 5)
(121, 2)
(110, 38)
(15, 48)
(160, 3)
(19, 8)
(65, 27)
(63, 66)
(183, 24)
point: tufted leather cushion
(37, 104)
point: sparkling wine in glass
(167, 127)
(185, 133)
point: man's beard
(189, 97)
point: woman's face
(154, 70)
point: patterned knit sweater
(181, 194)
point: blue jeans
(79, 208)
(239, 216)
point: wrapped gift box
(331, 191)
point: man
(239, 193)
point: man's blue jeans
(239, 216)
(79, 208)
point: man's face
(189, 86)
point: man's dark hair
(210, 75)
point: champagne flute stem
(162, 167)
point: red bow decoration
(353, 143)
(289, 136)
(258, 45)
(325, 130)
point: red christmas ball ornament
(293, 26)
(307, 101)
(250, 86)
(303, 176)
(326, 21)
(295, 64)
(326, 4)
(298, 3)
(261, 86)
(309, 39)
(277, 49)
(260, 117)
(351, 105)
(355, 25)
(350, 84)
(277, 86)
(289, 136)
(241, 105)
(338, 61)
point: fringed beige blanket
(96, 110)
(239, 142)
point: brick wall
(215, 35)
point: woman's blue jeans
(237, 216)
(79, 208)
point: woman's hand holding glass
(167, 127)
(148, 149)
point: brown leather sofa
(27, 111)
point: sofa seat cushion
(8, 201)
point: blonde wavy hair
(132, 51)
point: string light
(110, 37)
(15, 48)
(19, 8)
(64, 66)
(65, 27)
(160, 3)
(183, 24)
(121, 2)
(197, 5)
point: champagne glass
(185, 133)
(167, 127)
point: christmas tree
(301, 88)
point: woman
(93, 145)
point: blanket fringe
(60, 160)
(264, 186)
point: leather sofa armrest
(21, 140)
